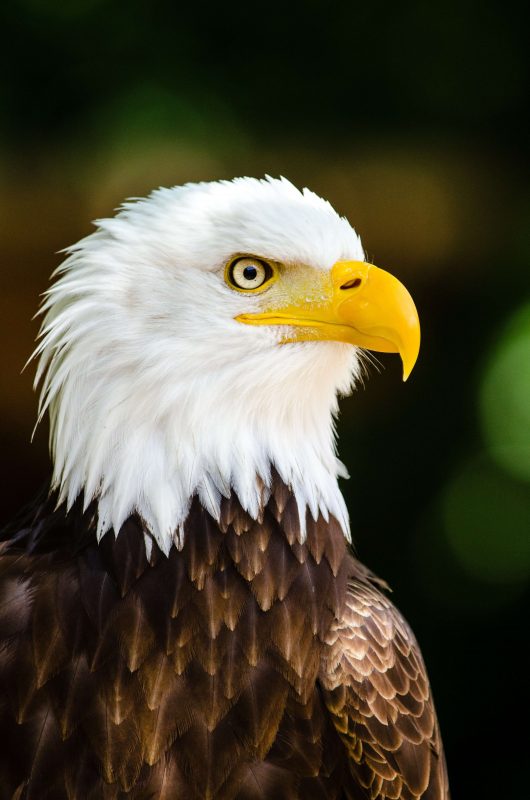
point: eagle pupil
(250, 273)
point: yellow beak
(364, 306)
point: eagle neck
(151, 452)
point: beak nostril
(353, 284)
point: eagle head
(198, 340)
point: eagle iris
(248, 274)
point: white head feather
(156, 393)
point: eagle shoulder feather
(376, 689)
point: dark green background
(411, 118)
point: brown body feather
(246, 665)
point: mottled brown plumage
(247, 665)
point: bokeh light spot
(504, 398)
(486, 517)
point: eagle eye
(248, 274)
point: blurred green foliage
(281, 68)
(412, 118)
(505, 398)
(492, 547)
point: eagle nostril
(353, 284)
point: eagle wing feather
(376, 689)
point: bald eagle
(181, 614)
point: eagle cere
(181, 614)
